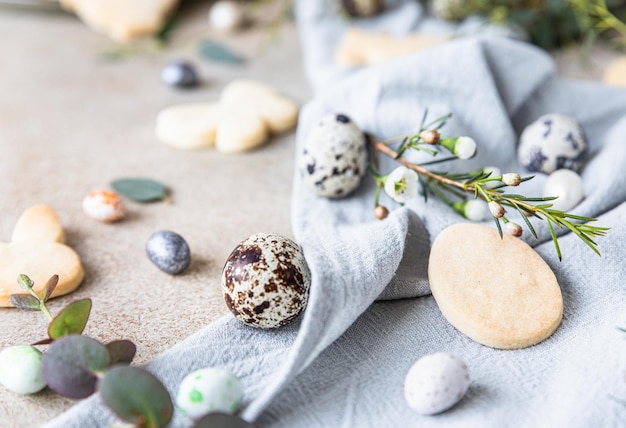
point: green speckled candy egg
(208, 390)
(20, 369)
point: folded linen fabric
(343, 363)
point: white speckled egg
(552, 142)
(20, 369)
(104, 206)
(211, 389)
(568, 186)
(435, 383)
(334, 157)
(266, 281)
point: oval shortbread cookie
(615, 73)
(499, 292)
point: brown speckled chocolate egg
(266, 281)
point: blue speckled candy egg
(552, 142)
(168, 251)
(211, 389)
(180, 74)
(334, 157)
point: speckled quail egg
(212, 389)
(20, 369)
(435, 383)
(362, 8)
(567, 186)
(168, 251)
(266, 281)
(180, 74)
(552, 142)
(334, 157)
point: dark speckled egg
(168, 251)
(266, 281)
(552, 142)
(334, 157)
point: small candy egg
(104, 206)
(334, 157)
(266, 281)
(362, 8)
(435, 383)
(212, 389)
(168, 251)
(567, 185)
(180, 74)
(552, 142)
(20, 369)
(227, 15)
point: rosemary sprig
(481, 185)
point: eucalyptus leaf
(121, 351)
(71, 320)
(213, 51)
(70, 365)
(25, 301)
(45, 341)
(140, 189)
(25, 282)
(136, 396)
(222, 420)
(49, 288)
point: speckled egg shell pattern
(435, 383)
(334, 157)
(168, 251)
(266, 281)
(552, 142)
(104, 206)
(212, 389)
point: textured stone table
(70, 122)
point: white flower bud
(461, 147)
(401, 184)
(511, 179)
(430, 136)
(514, 228)
(472, 209)
(465, 148)
(495, 172)
(496, 209)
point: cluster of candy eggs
(555, 144)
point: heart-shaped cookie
(37, 249)
(122, 19)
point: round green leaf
(140, 189)
(121, 351)
(70, 365)
(25, 301)
(136, 396)
(49, 288)
(71, 320)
